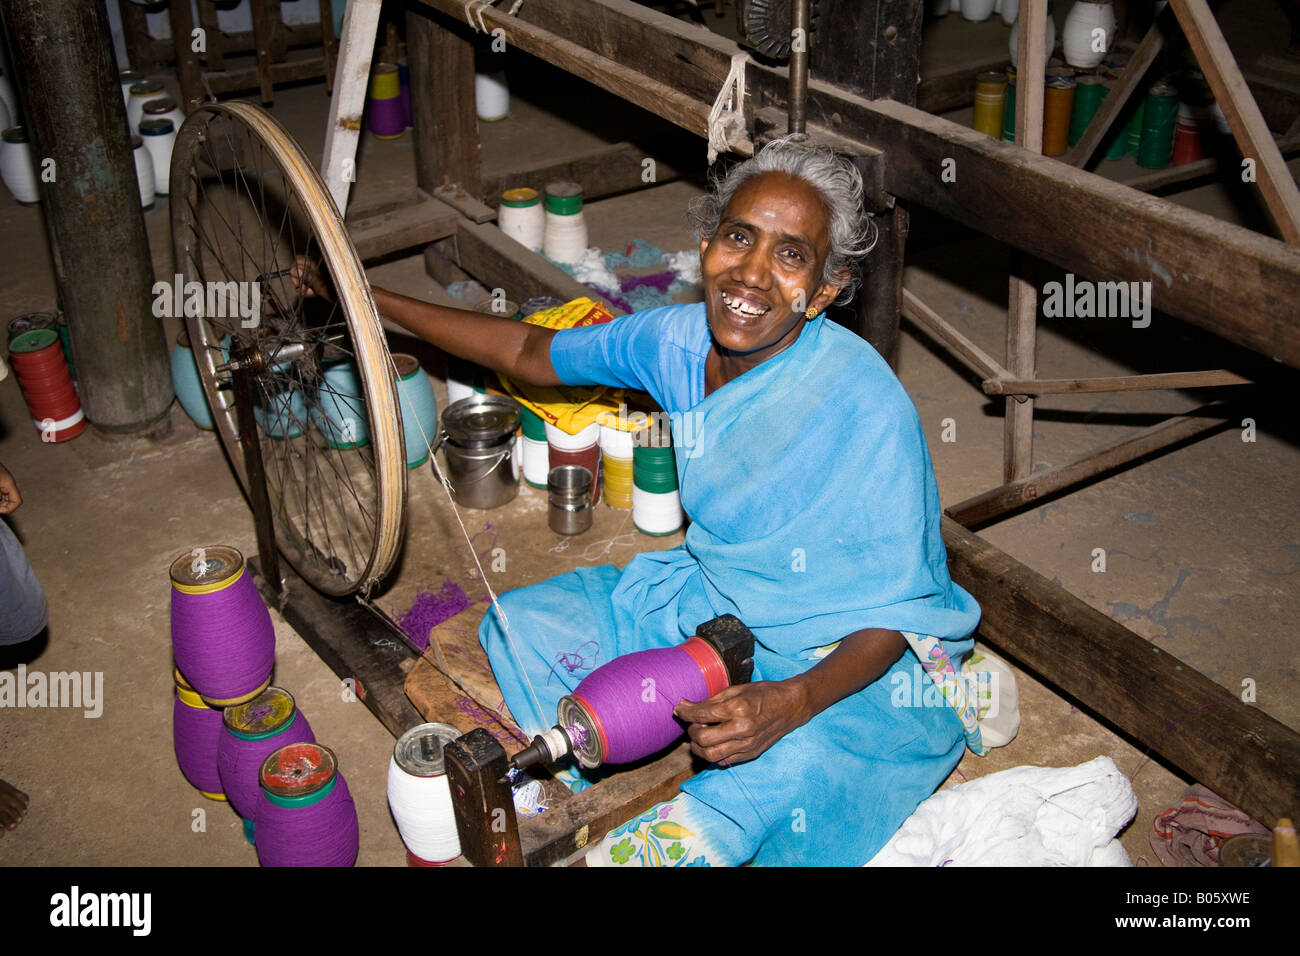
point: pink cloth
(1191, 833)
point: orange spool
(1058, 104)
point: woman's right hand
(308, 279)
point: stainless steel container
(568, 489)
(478, 442)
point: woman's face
(763, 268)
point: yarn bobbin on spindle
(420, 797)
(253, 731)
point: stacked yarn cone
(656, 502)
(616, 461)
(419, 409)
(565, 238)
(196, 734)
(386, 115)
(37, 358)
(522, 217)
(535, 448)
(305, 812)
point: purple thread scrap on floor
(430, 610)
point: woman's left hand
(742, 721)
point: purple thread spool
(385, 115)
(196, 732)
(222, 637)
(624, 709)
(305, 812)
(252, 732)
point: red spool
(588, 458)
(1187, 142)
(47, 388)
(75, 425)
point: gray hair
(836, 180)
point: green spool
(564, 199)
(1088, 95)
(1160, 113)
(34, 340)
(1133, 132)
(1009, 118)
(654, 469)
(534, 427)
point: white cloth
(1026, 816)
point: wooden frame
(1116, 234)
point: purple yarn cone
(326, 833)
(386, 118)
(196, 732)
(239, 761)
(223, 642)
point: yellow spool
(191, 698)
(990, 103)
(385, 83)
(234, 701)
(224, 563)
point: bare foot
(13, 806)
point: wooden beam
(498, 261)
(264, 21)
(351, 77)
(354, 642)
(290, 71)
(1275, 181)
(214, 41)
(585, 818)
(605, 171)
(974, 357)
(1212, 378)
(1236, 750)
(1114, 104)
(187, 61)
(1008, 498)
(414, 225)
(1224, 278)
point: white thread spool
(537, 460)
(977, 10)
(563, 441)
(17, 168)
(159, 137)
(616, 443)
(164, 107)
(565, 239)
(8, 105)
(419, 796)
(143, 171)
(141, 93)
(522, 217)
(492, 95)
(128, 79)
(657, 512)
(1077, 37)
(1010, 10)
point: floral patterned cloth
(668, 834)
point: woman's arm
(517, 349)
(741, 722)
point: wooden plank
(355, 643)
(1022, 298)
(974, 357)
(351, 76)
(1211, 378)
(557, 834)
(329, 42)
(1225, 278)
(214, 40)
(1111, 107)
(442, 103)
(1276, 184)
(455, 196)
(290, 71)
(1245, 756)
(497, 261)
(415, 225)
(1006, 499)
(606, 171)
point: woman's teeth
(740, 307)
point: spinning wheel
(245, 201)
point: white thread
(49, 424)
(565, 239)
(491, 96)
(727, 115)
(656, 512)
(423, 811)
(526, 225)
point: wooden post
(215, 50)
(67, 83)
(1022, 304)
(441, 57)
(1233, 95)
(139, 45)
(351, 76)
(263, 37)
(187, 61)
(874, 50)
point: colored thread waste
(429, 610)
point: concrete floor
(1203, 544)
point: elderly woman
(814, 519)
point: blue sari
(814, 514)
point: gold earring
(810, 313)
